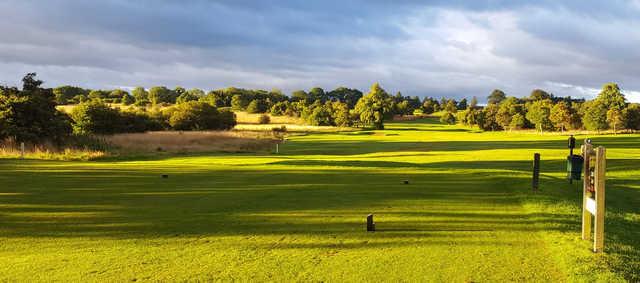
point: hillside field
(466, 215)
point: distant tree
(615, 119)
(346, 95)
(279, 108)
(538, 112)
(448, 118)
(451, 106)
(496, 97)
(538, 94)
(186, 97)
(238, 102)
(317, 93)
(462, 105)
(518, 122)
(561, 116)
(429, 105)
(373, 107)
(320, 116)
(487, 118)
(140, 94)
(30, 115)
(179, 91)
(300, 95)
(127, 100)
(161, 94)
(257, 106)
(66, 94)
(97, 94)
(594, 115)
(611, 97)
(95, 117)
(632, 116)
(340, 114)
(197, 115)
(507, 109)
(474, 103)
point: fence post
(370, 225)
(598, 227)
(536, 172)
(22, 150)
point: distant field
(467, 214)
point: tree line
(30, 114)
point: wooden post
(536, 172)
(370, 225)
(594, 195)
(586, 215)
(600, 175)
(22, 150)
(277, 148)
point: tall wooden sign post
(593, 194)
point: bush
(264, 119)
(257, 106)
(196, 115)
(127, 100)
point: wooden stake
(536, 172)
(371, 226)
(586, 215)
(600, 175)
(22, 150)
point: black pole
(536, 172)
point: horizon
(440, 49)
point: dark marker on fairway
(406, 182)
(165, 176)
(370, 225)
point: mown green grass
(467, 213)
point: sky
(426, 48)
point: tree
(191, 95)
(97, 94)
(65, 94)
(257, 106)
(372, 107)
(341, 116)
(561, 116)
(127, 100)
(496, 97)
(615, 119)
(474, 103)
(300, 95)
(538, 113)
(95, 117)
(518, 122)
(140, 94)
(238, 102)
(317, 93)
(30, 115)
(594, 116)
(487, 118)
(462, 105)
(196, 115)
(506, 111)
(161, 94)
(538, 94)
(611, 97)
(451, 106)
(448, 118)
(632, 116)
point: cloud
(433, 48)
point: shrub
(257, 106)
(196, 115)
(264, 119)
(127, 100)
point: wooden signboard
(593, 194)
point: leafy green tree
(538, 94)
(238, 102)
(474, 103)
(161, 94)
(127, 100)
(346, 95)
(506, 111)
(97, 94)
(594, 115)
(462, 105)
(317, 93)
(448, 118)
(429, 105)
(496, 97)
(451, 106)
(30, 115)
(95, 117)
(320, 116)
(300, 95)
(615, 119)
(518, 122)
(66, 94)
(280, 108)
(373, 107)
(257, 106)
(197, 115)
(191, 95)
(538, 112)
(632, 116)
(611, 97)
(140, 94)
(341, 114)
(561, 116)
(487, 118)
